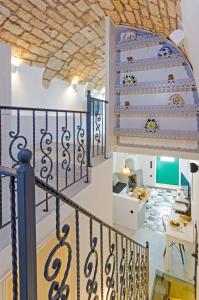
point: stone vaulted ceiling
(66, 37)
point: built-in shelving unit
(171, 89)
(180, 85)
(151, 63)
(160, 134)
(186, 110)
(140, 42)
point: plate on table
(175, 224)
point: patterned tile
(160, 203)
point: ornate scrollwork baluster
(46, 160)
(98, 118)
(110, 271)
(80, 140)
(122, 271)
(59, 290)
(116, 259)
(90, 268)
(137, 272)
(98, 125)
(65, 141)
(131, 274)
(145, 264)
(18, 141)
(142, 274)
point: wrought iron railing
(63, 142)
(97, 125)
(98, 261)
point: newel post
(26, 227)
(88, 128)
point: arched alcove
(152, 91)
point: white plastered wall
(27, 91)
(190, 12)
(5, 93)
(190, 23)
(148, 165)
(110, 81)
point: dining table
(183, 235)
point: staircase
(88, 259)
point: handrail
(63, 142)
(96, 125)
(11, 172)
(46, 187)
(41, 109)
(99, 100)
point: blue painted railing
(63, 143)
(99, 262)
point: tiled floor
(160, 203)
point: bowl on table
(185, 218)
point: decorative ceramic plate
(151, 125)
(165, 52)
(128, 80)
(176, 100)
(129, 36)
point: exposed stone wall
(67, 36)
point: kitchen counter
(129, 210)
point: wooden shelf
(141, 42)
(180, 85)
(188, 110)
(151, 63)
(160, 134)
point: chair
(179, 247)
(182, 205)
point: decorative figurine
(130, 59)
(171, 77)
(127, 104)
